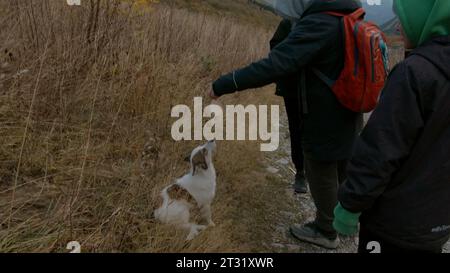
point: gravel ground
(297, 208)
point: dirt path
(292, 208)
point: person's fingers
(212, 95)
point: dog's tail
(162, 205)
(165, 196)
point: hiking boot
(300, 185)
(310, 233)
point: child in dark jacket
(398, 180)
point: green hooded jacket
(423, 20)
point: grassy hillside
(240, 10)
(85, 101)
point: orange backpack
(366, 64)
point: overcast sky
(380, 14)
(377, 13)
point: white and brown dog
(195, 190)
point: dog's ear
(199, 161)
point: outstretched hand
(212, 95)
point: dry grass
(85, 144)
(234, 10)
(396, 49)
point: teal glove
(345, 222)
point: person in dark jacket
(287, 88)
(328, 128)
(398, 184)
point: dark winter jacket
(414, 212)
(315, 41)
(286, 87)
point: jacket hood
(437, 51)
(423, 20)
(345, 6)
(291, 9)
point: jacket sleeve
(311, 35)
(385, 143)
(282, 32)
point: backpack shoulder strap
(357, 14)
(324, 78)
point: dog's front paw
(191, 236)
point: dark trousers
(324, 179)
(295, 127)
(366, 238)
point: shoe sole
(301, 190)
(331, 245)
